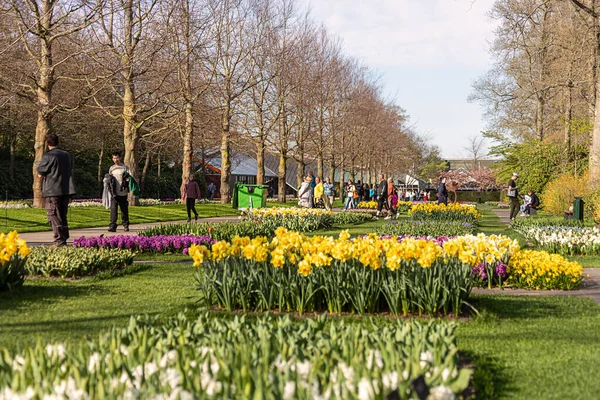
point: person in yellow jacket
(320, 194)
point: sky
(427, 53)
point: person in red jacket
(191, 192)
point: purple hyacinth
(144, 243)
(501, 270)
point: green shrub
(266, 357)
(219, 231)
(425, 228)
(519, 224)
(68, 262)
(349, 217)
(12, 272)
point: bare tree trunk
(568, 118)
(130, 129)
(281, 183)
(145, 170)
(100, 156)
(158, 163)
(332, 169)
(44, 100)
(594, 163)
(11, 165)
(225, 158)
(188, 137)
(539, 118)
(300, 171)
(320, 167)
(260, 162)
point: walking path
(589, 288)
(46, 238)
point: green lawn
(34, 219)
(522, 347)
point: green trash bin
(250, 196)
(578, 209)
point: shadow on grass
(489, 380)
(33, 292)
(506, 307)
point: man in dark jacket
(382, 194)
(442, 193)
(56, 169)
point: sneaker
(126, 229)
(112, 229)
(189, 220)
(388, 217)
(196, 218)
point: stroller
(318, 203)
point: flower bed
(567, 241)
(402, 206)
(13, 255)
(144, 244)
(294, 218)
(14, 204)
(263, 357)
(351, 217)
(371, 205)
(425, 228)
(220, 231)
(520, 224)
(442, 212)
(369, 274)
(68, 262)
(540, 270)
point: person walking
(382, 195)
(305, 193)
(329, 190)
(56, 171)
(119, 200)
(211, 191)
(350, 190)
(442, 192)
(391, 191)
(320, 194)
(513, 196)
(191, 192)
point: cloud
(410, 33)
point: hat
(515, 174)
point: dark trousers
(382, 203)
(514, 207)
(123, 204)
(190, 204)
(56, 210)
(442, 199)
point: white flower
(94, 362)
(365, 390)
(441, 393)
(303, 369)
(445, 374)
(390, 380)
(123, 350)
(59, 350)
(18, 363)
(289, 390)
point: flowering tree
(481, 179)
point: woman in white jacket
(305, 193)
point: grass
(534, 347)
(522, 347)
(35, 220)
(586, 261)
